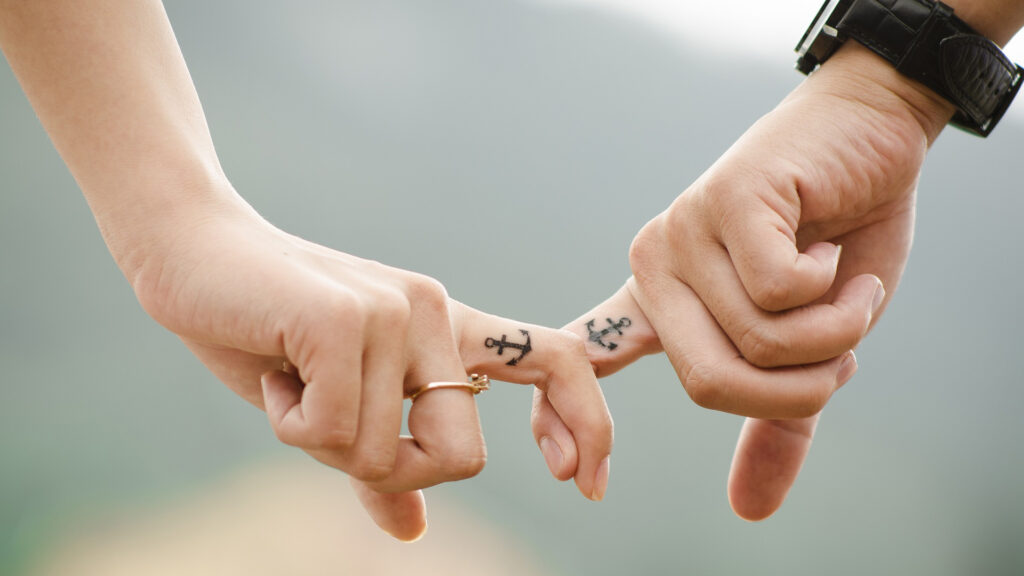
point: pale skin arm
(111, 88)
(742, 278)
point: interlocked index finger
(556, 362)
(623, 336)
(616, 333)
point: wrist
(144, 228)
(856, 73)
(928, 55)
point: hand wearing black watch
(925, 41)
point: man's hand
(763, 276)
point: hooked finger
(373, 454)
(556, 362)
(553, 437)
(616, 333)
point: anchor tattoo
(504, 343)
(597, 336)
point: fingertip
(878, 298)
(554, 458)
(412, 533)
(565, 452)
(281, 392)
(826, 254)
(813, 276)
(592, 480)
(407, 518)
(847, 368)
(747, 505)
(767, 461)
(402, 515)
(556, 442)
(601, 479)
(863, 297)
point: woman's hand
(329, 344)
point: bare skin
(741, 277)
(327, 343)
(763, 276)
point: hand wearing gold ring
(357, 337)
(476, 384)
(246, 297)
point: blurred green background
(511, 149)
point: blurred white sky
(763, 29)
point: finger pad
(402, 515)
(767, 462)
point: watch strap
(925, 41)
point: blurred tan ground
(282, 518)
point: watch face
(819, 26)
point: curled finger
(556, 362)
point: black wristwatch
(926, 42)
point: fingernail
(552, 454)
(847, 368)
(839, 252)
(879, 296)
(601, 479)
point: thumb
(768, 458)
(762, 246)
(400, 514)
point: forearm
(110, 86)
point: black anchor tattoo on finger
(524, 348)
(598, 336)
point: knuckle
(288, 437)
(371, 467)
(679, 216)
(813, 401)
(760, 346)
(392, 309)
(571, 344)
(771, 292)
(719, 196)
(427, 293)
(336, 438)
(644, 249)
(342, 308)
(466, 462)
(700, 385)
(682, 225)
